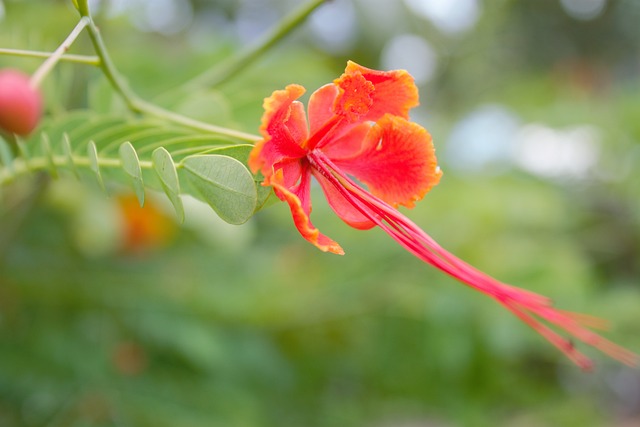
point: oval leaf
(131, 166)
(225, 184)
(48, 153)
(92, 153)
(24, 153)
(68, 152)
(166, 171)
(241, 152)
(5, 155)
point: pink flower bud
(20, 103)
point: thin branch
(79, 59)
(108, 67)
(154, 110)
(138, 105)
(228, 69)
(48, 65)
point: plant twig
(80, 59)
(108, 67)
(48, 65)
(138, 105)
(160, 112)
(214, 76)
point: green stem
(82, 6)
(154, 110)
(79, 59)
(214, 76)
(47, 66)
(139, 105)
(21, 167)
(108, 68)
(228, 69)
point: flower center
(326, 131)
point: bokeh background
(115, 316)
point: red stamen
(522, 303)
(326, 131)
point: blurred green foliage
(215, 325)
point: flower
(143, 228)
(369, 159)
(20, 103)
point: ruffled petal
(396, 161)
(370, 94)
(341, 206)
(298, 198)
(356, 98)
(284, 127)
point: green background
(250, 325)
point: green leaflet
(65, 124)
(131, 166)
(46, 150)
(68, 152)
(224, 183)
(166, 170)
(241, 152)
(6, 158)
(24, 153)
(92, 154)
(146, 154)
(93, 126)
(116, 135)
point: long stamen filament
(516, 300)
(436, 254)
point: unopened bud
(20, 103)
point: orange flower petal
(343, 207)
(396, 161)
(300, 206)
(356, 98)
(143, 228)
(284, 127)
(394, 92)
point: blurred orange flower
(143, 227)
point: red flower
(358, 134)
